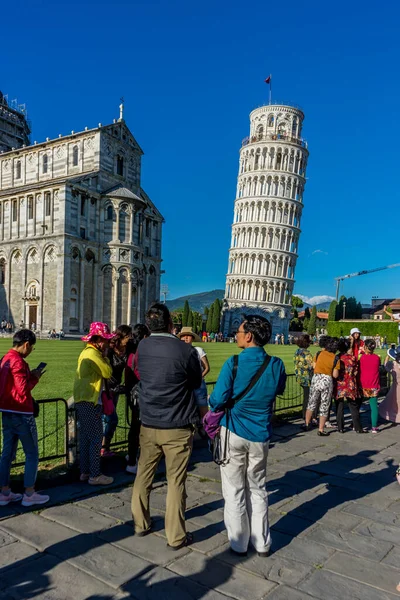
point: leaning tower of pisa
(267, 214)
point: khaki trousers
(176, 446)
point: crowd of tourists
(162, 376)
(345, 369)
(6, 327)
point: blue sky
(190, 74)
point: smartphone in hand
(41, 366)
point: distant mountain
(197, 302)
(321, 307)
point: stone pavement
(334, 509)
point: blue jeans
(201, 395)
(110, 423)
(19, 427)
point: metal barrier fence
(290, 400)
(57, 431)
(52, 427)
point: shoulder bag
(220, 452)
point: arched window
(18, 170)
(110, 213)
(120, 165)
(45, 163)
(271, 121)
(75, 156)
(2, 271)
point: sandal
(186, 542)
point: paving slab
(36, 531)
(395, 507)
(380, 576)
(326, 585)
(301, 549)
(109, 504)
(378, 531)
(48, 579)
(222, 577)
(350, 542)
(285, 593)
(162, 584)
(280, 570)
(78, 518)
(15, 552)
(368, 512)
(91, 554)
(393, 558)
(152, 548)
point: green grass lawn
(61, 358)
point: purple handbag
(212, 420)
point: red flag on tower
(268, 80)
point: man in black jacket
(169, 371)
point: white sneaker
(35, 498)
(131, 469)
(11, 497)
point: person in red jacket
(17, 407)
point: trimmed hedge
(367, 328)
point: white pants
(244, 480)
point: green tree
(216, 316)
(332, 311)
(306, 319)
(312, 325)
(176, 316)
(385, 316)
(296, 325)
(351, 308)
(185, 315)
(190, 319)
(210, 319)
(297, 302)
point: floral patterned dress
(303, 367)
(347, 381)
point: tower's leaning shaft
(267, 215)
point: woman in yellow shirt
(93, 368)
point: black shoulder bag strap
(250, 386)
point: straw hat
(100, 329)
(188, 331)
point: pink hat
(100, 329)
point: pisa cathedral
(80, 238)
(267, 215)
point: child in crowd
(188, 336)
(326, 368)
(347, 388)
(369, 379)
